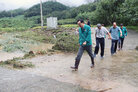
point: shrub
(67, 43)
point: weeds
(16, 64)
(67, 43)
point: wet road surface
(17, 81)
(116, 73)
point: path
(112, 74)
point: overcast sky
(14, 4)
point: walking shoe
(74, 68)
(112, 54)
(102, 57)
(92, 65)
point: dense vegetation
(12, 13)
(48, 7)
(100, 11)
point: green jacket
(85, 35)
(124, 32)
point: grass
(22, 40)
(67, 21)
(19, 64)
(10, 43)
(69, 26)
(39, 27)
(9, 29)
(16, 22)
(15, 63)
(37, 36)
(133, 28)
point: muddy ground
(116, 73)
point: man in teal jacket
(121, 38)
(85, 42)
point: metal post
(41, 12)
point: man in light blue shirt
(115, 33)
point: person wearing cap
(85, 43)
(115, 33)
(100, 39)
(121, 38)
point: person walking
(88, 22)
(121, 38)
(115, 32)
(100, 39)
(85, 43)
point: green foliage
(129, 12)
(48, 7)
(14, 63)
(121, 11)
(84, 16)
(12, 13)
(41, 37)
(16, 22)
(133, 28)
(12, 42)
(67, 43)
(100, 11)
(13, 29)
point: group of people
(116, 34)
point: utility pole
(41, 12)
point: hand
(84, 43)
(110, 38)
(121, 35)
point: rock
(31, 52)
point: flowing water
(118, 73)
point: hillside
(100, 11)
(48, 7)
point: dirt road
(116, 73)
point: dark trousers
(80, 52)
(101, 42)
(114, 46)
(120, 43)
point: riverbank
(134, 28)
